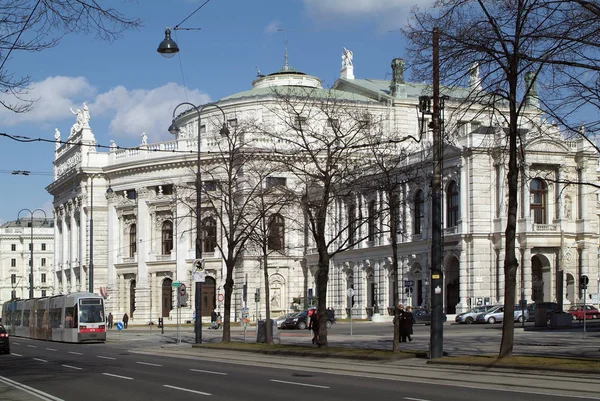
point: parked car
(551, 309)
(279, 321)
(300, 320)
(576, 312)
(496, 315)
(4, 340)
(470, 316)
(423, 316)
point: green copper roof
(413, 90)
(317, 93)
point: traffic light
(245, 292)
(584, 281)
(257, 295)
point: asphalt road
(75, 372)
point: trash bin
(261, 333)
(541, 317)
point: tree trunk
(268, 327)
(228, 287)
(396, 297)
(322, 279)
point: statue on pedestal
(347, 58)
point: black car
(300, 320)
(4, 341)
(551, 309)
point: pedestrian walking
(408, 323)
(213, 320)
(125, 320)
(219, 320)
(110, 320)
(314, 326)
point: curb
(528, 368)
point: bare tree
(269, 203)
(36, 25)
(513, 45)
(319, 138)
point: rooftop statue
(347, 58)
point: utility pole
(437, 280)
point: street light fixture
(31, 214)
(109, 190)
(168, 48)
(174, 130)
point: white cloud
(273, 26)
(388, 13)
(54, 96)
(143, 110)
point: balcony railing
(545, 227)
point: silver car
(496, 315)
(470, 316)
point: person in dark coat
(408, 323)
(109, 320)
(213, 320)
(125, 320)
(314, 326)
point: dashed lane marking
(75, 353)
(298, 384)
(209, 371)
(118, 376)
(72, 367)
(107, 357)
(186, 389)
(50, 349)
(41, 360)
(149, 364)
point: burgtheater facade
(144, 236)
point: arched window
(132, 240)
(452, 202)
(538, 200)
(276, 232)
(419, 212)
(209, 235)
(372, 221)
(167, 237)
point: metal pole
(91, 268)
(198, 298)
(584, 305)
(31, 262)
(437, 282)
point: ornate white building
(143, 233)
(15, 258)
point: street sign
(182, 289)
(408, 283)
(199, 276)
(175, 284)
(585, 280)
(119, 326)
(220, 298)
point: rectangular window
(210, 186)
(30, 246)
(13, 247)
(43, 262)
(13, 279)
(232, 123)
(131, 194)
(30, 263)
(43, 247)
(299, 122)
(364, 123)
(43, 293)
(276, 182)
(203, 129)
(43, 277)
(333, 123)
(13, 263)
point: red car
(576, 312)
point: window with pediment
(419, 207)
(452, 205)
(276, 240)
(132, 240)
(209, 235)
(538, 199)
(167, 237)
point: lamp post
(174, 130)
(109, 190)
(31, 214)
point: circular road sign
(585, 280)
(119, 326)
(220, 297)
(182, 289)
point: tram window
(18, 318)
(55, 317)
(69, 318)
(26, 318)
(40, 318)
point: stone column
(527, 278)
(142, 290)
(56, 268)
(463, 277)
(83, 242)
(559, 193)
(113, 246)
(65, 251)
(74, 254)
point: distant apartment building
(16, 242)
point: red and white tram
(72, 318)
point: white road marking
(16, 354)
(117, 376)
(298, 384)
(186, 389)
(209, 371)
(30, 390)
(32, 346)
(107, 357)
(75, 353)
(148, 363)
(50, 349)
(415, 399)
(41, 360)
(71, 367)
(12, 342)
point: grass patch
(532, 362)
(312, 351)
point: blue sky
(131, 89)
